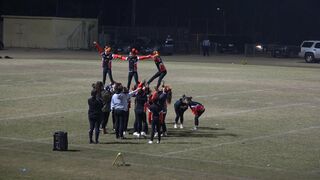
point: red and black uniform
(106, 63)
(197, 109)
(162, 71)
(133, 67)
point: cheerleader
(107, 58)
(162, 71)
(140, 102)
(133, 59)
(197, 109)
(180, 106)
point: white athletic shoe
(155, 134)
(143, 134)
(181, 126)
(194, 128)
(150, 142)
(165, 134)
(175, 126)
(158, 142)
(124, 133)
(135, 133)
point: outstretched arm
(116, 56)
(98, 47)
(144, 57)
(123, 58)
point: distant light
(218, 9)
(259, 47)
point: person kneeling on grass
(197, 109)
(94, 115)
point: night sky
(284, 21)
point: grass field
(261, 119)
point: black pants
(196, 118)
(94, 125)
(164, 125)
(141, 120)
(105, 119)
(155, 127)
(130, 75)
(158, 74)
(113, 120)
(125, 120)
(205, 50)
(179, 115)
(143, 125)
(119, 125)
(104, 74)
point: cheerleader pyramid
(150, 106)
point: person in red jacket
(197, 109)
(107, 57)
(133, 59)
(162, 71)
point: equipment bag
(60, 141)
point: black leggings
(130, 75)
(104, 74)
(160, 75)
(179, 115)
(140, 117)
(155, 126)
(196, 118)
(94, 125)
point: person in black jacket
(94, 115)
(141, 99)
(180, 106)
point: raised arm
(98, 47)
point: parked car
(310, 51)
(279, 50)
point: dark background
(272, 21)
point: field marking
(131, 163)
(258, 109)
(44, 114)
(40, 96)
(234, 92)
(217, 115)
(243, 140)
(168, 155)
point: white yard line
(242, 141)
(44, 114)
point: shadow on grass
(120, 142)
(207, 132)
(73, 150)
(165, 142)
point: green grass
(261, 120)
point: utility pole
(133, 16)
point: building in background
(49, 32)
